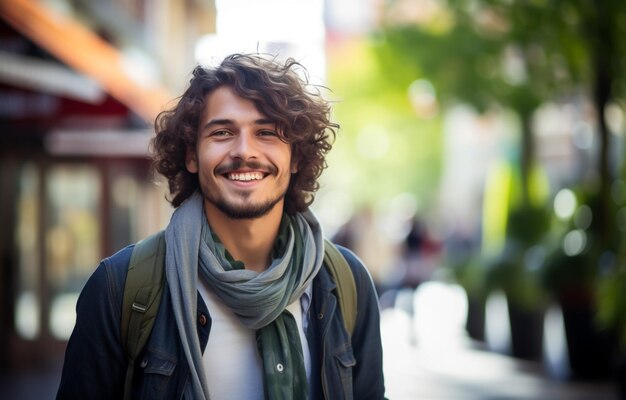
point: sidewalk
(428, 356)
(36, 384)
(467, 373)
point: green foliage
(519, 54)
(514, 271)
(612, 301)
(469, 272)
(570, 271)
(512, 229)
(512, 213)
(383, 148)
(515, 54)
(612, 280)
(563, 274)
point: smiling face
(243, 163)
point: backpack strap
(344, 279)
(142, 296)
(144, 287)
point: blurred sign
(23, 109)
(101, 143)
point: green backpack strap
(346, 286)
(142, 296)
(144, 287)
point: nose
(244, 146)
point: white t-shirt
(232, 363)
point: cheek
(209, 156)
(290, 160)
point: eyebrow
(225, 121)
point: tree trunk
(602, 53)
(526, 157)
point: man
(248, 310)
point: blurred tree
(488, 54)
(518, 55)
(383, 148)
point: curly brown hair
(277, 90)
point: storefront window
(72, 239)
(27, 312)
(124, 203)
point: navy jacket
(95, 362)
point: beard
(245, 210)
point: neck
(248, 240)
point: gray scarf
(256, 298)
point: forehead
(224, 102)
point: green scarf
(257, 299)
(279, 342)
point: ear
(191, 161)
(294, 166)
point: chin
(248, 211)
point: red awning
(84, 51)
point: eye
(268, 133)
(221, 133)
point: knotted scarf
(257, 299)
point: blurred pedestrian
(420, 254)
(363, 235)
(248, 309)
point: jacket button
(202, 319)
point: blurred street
(468, 372)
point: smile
(245, 176)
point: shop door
(58, 244)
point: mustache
(240, 164)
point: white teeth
(246, 176)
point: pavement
(38, 383)
(466, 370)
(428, 355)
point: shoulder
(116, 265)
(110, 274)
(121, 258)
(350, 256)
(355, 263)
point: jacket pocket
(345, 361)
(155, 364)
(156, 374)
